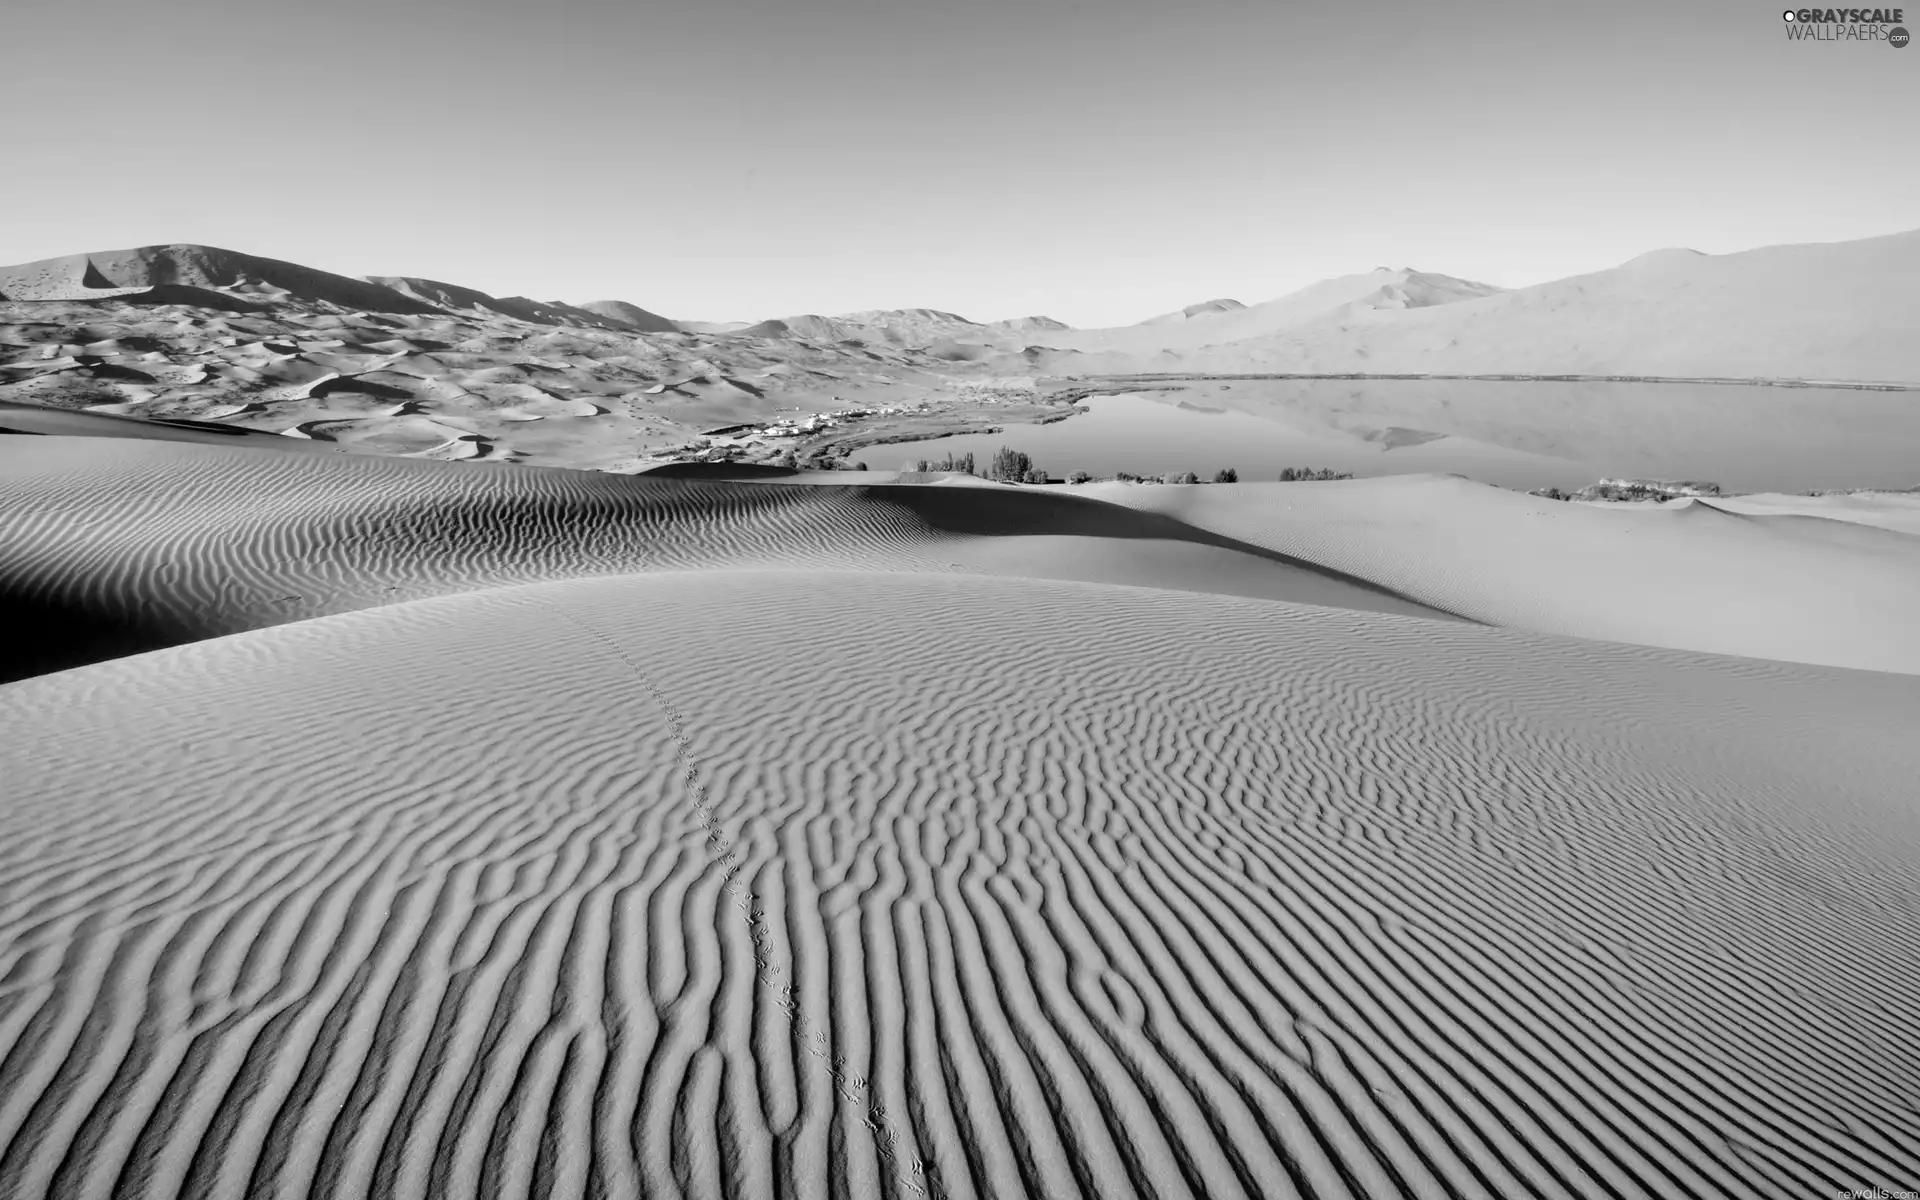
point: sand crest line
(766, 972)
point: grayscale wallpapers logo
(1847, 25)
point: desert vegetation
(1223, 475)
(1632, 489)
(962, 463)
(1014, 466)
(1311, 474)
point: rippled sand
(593, 836)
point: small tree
(1079, 477)
(1226, 475)
(1185, 477)
(1034, 475)
(861, 465)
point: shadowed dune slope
(76, 275)
(1795, 587)
(135, 545)
(34, 418)
(1281, 901)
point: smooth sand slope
(113, 546)
(1218, 322)
(1898, 511)
(1787, 585)
(1043, 889)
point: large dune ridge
(1227, 321)
(1825, 311)
(117, 545)
(580, 888)
(73, 277)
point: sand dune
(79, 276)
(630, 316)
(899, 326)
(604, 397)
(712, 884)
(1219, 322)
(1897, 511)
(122, 546)
(1030, 324)
(117, 546)
(1687, 575)
(1206, 308)
(1833, 311)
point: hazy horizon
(1097, 163)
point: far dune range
(401, 365)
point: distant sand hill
(1836, 311)
(81, 276)
(207, 275)
(406, 829)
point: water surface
(1521, 434)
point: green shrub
(1226, 475)
(1079, 477)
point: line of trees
(962, 463)
(1014, 466)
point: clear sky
(1099, 161)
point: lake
(1519, 434)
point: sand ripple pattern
(1281, 901)
(116, 546)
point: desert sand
(1829, 311)
(707, 884)
(1826, 579)
(387, 811)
